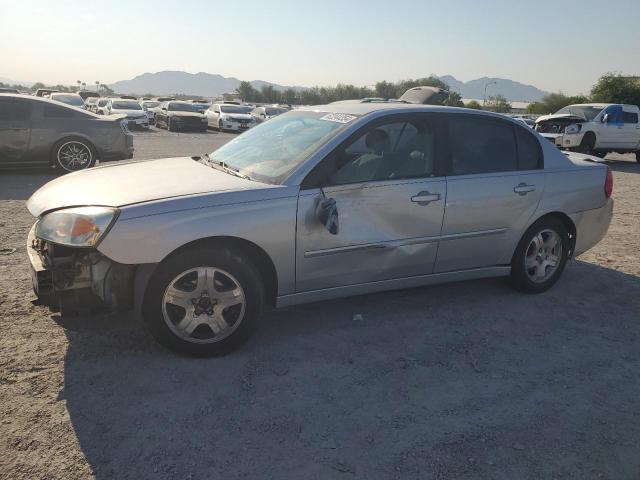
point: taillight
(608, 183)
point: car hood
(239, 116)
(185, 114)
(128, 113)
(561, 116)
(117, 185)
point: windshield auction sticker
(338, 117)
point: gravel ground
(466, 381)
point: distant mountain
(513, 91)
(176, 82)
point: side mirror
(605, 118)
(327, 214)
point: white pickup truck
(593, 128)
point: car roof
(359, 108)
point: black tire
(170, 126)
(638, 156)
(236, 264)
(587, 144)
(520, 276)
(57, 154)
(220, 129)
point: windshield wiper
(221, 165)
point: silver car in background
(318, 203)
(136, 117)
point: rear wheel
(204, 302)
(540, 256)
(73, 154)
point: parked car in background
(90, 103)
(164, 99)
(86, 94)
(175, 116)
(9, 90)
(594, 128)
(72, 99)
(35, 131)
(227, 116)
(136, 117)
(149, 106)
(318, 203)
(128, 97)
(101, 106)
(43, 92)
(261, 114)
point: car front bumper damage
(77, 277)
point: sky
(553, 45)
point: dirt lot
(464, 381)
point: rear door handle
(523, 188)
(424, 198)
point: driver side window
(390, 151)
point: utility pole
(484, 98)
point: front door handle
(424, 198)
(523, 188)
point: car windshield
(126, 106)
(150, 104)
(235, 109)
(588, 112)
(274, 111)
(184, 107)
(74, 100)
(270, 151)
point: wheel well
(588, 136)
(52, 154)
(258, 256)
(568, 224)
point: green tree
(473, 104)
(616, 88)
(498, 103)
(385, 90)
(247, 92)
(289, 96)
(453, 100)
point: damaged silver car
(318, 203)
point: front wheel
(540, 256)
(204, 302)
(587, 144)
(220, 129)
(638, 156)
(170, 126)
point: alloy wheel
(74, 155)
(203, 305)
(543, 255)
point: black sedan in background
(176, 116)
(37, 131)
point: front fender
(270, 224)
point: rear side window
(54, 111)
(529, 155)
(629, 117)
(480, 145)
(11, 109)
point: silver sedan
(318, 203)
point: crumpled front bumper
(78, 274)
(564, 140)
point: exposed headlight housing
(76, 227)
(573, 128)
